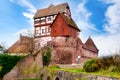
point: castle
(54, 26)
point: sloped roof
(19, 46)
(70, 21)
(89, 44)
(52, 9)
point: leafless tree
(4, 46)
(29, 41)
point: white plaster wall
(41, 42)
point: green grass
(31, 79)
(79, 70)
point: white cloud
(83, 17)
(25, 3)
(30, 10)
(112, 16)
(25, 32)
(28, 14)
(107, 44)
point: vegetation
(109, 63)
(31, 79)
(92, 65)
(8, 62)
(46, 56)
(0, 67)
(53, 69)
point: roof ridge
(50, 10)
(90, 43)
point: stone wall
(65, 50)
(29, 67)
(88, 53)
(41, 42)
(63, 75)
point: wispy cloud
(112, 16)
(83, 16)
(108, 43)
(30, 9)
(25, 32)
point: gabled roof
(19, 46)
(52, 9)
(69, 21)
(89, 44)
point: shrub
(8, 62)
(46, 56)
(92, 65)
(112, 68)
(0, 68)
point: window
(37, 21)
(49, 18)
(48, 30)
(42, 20)
(43, 31)
(37, 31)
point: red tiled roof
(89, 45)
(51, 10)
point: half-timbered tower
(44, 18)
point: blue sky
(99, 19)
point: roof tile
(51, 10)
(89, 44)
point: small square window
(49, 18)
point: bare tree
(29, 41)
(4, 46)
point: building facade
(55, 25)
(43, 20)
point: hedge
(8, 62)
